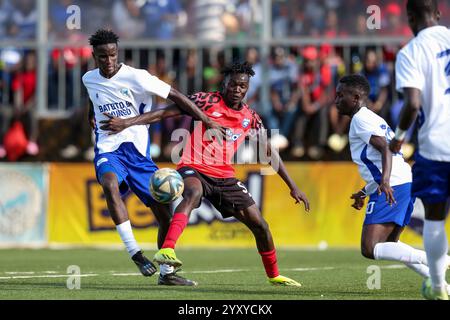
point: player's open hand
(395, 145)
(359, 200)
(113, 124)
(386, 189)
(300, 196)
(213, 129)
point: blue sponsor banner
(23, 204)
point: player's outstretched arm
(278, 165)
(115, 124)
(381, 145)
(191, 108)
(408, 115)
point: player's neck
(112, 74)
(355, 111)
(427, 24)
(235, 106)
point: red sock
(177, 225)
(269, 260)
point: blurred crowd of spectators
(208, 19)
(301, 80)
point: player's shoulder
(254, 118)
(203, 97)
(90, 75)
(365, 116)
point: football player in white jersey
(423, 76)
(122, 161)
(387, 175)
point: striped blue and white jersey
(127, 94)
(363, 126)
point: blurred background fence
(299, 50)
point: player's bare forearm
(116, 124)
(382, 146)
(408, 115)
(410, 108)
(154, 116)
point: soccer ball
(166, 185)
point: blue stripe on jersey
(96, 136)
(376, 174)
(141, 108)
(148, 146)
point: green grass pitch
(334, 274)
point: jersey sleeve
(407, 72)
(365, 129)
(153, 85)
(256, 124)
(202, 100)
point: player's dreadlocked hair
(358, 82)
(103, 36)
(238, 67)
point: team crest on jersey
(245, 123)
(125, 92)
(216, 114)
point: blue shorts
(379, 211)
(431, 180)
(132, 169)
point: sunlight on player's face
(106, 59)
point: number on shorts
(244, 189)
(370, 206)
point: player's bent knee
(367, 251)
(192, 196)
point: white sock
(436, 246)
(126, 234)
(420, 269)
(165, 269)
(399, 251)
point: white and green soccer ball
(166, 185)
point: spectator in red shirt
(24, 90)
(315, 85)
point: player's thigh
(110, 173)
(251, 217)
(140, 172)
(193, 191)
(376, 233)
(231, 197)
(431, 183)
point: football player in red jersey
(206, 167)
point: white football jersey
(365, 124)
(424, 63)
(127, 94)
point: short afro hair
(357, 82)
(103, 36)
(422, 7)
(237, 68)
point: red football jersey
(207, 155)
